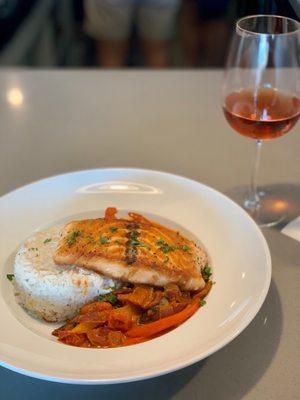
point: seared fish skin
(134, 250)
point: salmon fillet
(132, 249)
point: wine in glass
(261, 91)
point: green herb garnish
(133, 235)
(202, 303)
(113, 229)
(73, 237)
(110, 297)
(33, 249)
(164, 246)
(103, 240)
(47, 240)
(133, 240)
(185, 247)
(206, 273)
(136, 243)
(10, 277)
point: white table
(171, 121)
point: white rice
(49, 291)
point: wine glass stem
(252, 202)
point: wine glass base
(267, 216)
(272, 210)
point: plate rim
(179, 365)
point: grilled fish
(132, 249)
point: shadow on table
(228, 374)
(282, 198)
(238, 367)
(289, 194)
(287, 197)
(17, 387)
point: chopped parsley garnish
(202, 302)
(133, 235)
(113, 229)
(133, 240)
(103, 240)
(164, 246)
(47, 240)
(206, 273)
(73, 237)
(185, 247)
(117, 242)
(136, 243)
(10, 277)
(33, 249)
(111, 298)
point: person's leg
(112, 53)
(190, 33)
(216, 35)
(156, 53)
(156, 25)
(204, 31)
(109, 22)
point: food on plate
(113, 281)
(134, 250)
(131, 315)
(49, 291)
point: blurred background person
(111, 23)
(205, 31)
(129, 33)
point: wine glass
(261, 93)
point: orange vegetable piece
(142, 296)
(116, 338)
(95, 306)
(172, 292)
(96, 316)
(73, 339)
(110, 213)
(130, 341)
(67, 327)
(84, 327)
(99, 337)
(204, 292)
(122, 318)
(165, 323)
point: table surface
(58, 121)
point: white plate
(239, 255)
